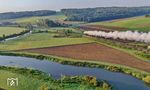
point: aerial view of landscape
(74, 45)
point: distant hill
(104, 13)
(13, 15)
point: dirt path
(95, 52)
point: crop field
(95, 52)
(136, 23)
(40, 40)
(9, 30)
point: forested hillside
(12, 15)
(104, 13)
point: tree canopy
(104, 13)
(12, 15)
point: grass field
(35, 19)
(40, 40)
(136, 23)
(10, 30)
(24, 81)
(29, 81)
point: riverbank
(111, 67)
(43, 81)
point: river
(119, 81)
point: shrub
(106, 86)
(91, 80)
(147, 79)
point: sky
(29, 5)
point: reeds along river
(119, 81)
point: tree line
(104, 13)
(13, 15)
(50, 23)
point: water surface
(119, 81)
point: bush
(147, 79)
(147, 15)
(91, 80)
(106, 86)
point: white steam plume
(127, 35)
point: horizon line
(68, 8)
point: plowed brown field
(101, 28)
(95, 52)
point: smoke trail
(127, 35)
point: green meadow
(33, 20)
(38, 40)
(10, 30)
(136, 23)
